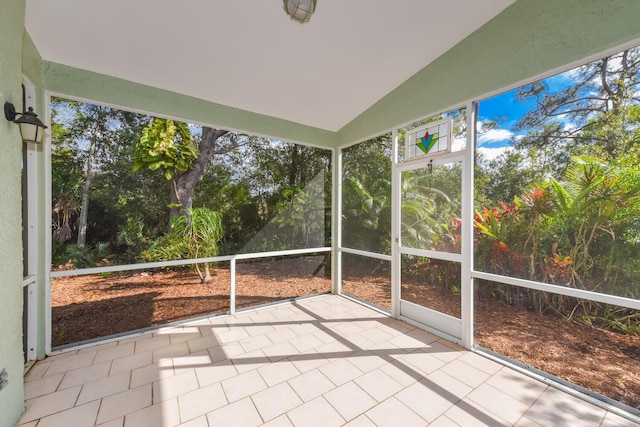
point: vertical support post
(232, 287)
(336, 223)
(48, 221)
(30, 232)
(467, 228)
(395, 228)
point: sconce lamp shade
(300, 10)
(31, 128)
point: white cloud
(458, 144)
(494, 135)
(489, 154)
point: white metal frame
(337, 232)
(466, 290)
(232, 259)
(30, 165)
(190, 261)
(439, 323)
(48, 221)
(468, 273)
(466, 256)
(395, 231)
(29, 282)
(336, 222)
(560, 290)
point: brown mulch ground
(88, 307)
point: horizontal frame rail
(180, 262)
(427, 253)
(561, 290)
(366, 254)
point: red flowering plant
(494, 225)
(451, 238)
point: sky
(507, 110)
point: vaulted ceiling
(248, 54)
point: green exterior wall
(31, 62)
(527, 39)
(71, 81)
(11, 357)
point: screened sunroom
(388, 214)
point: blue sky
(507, 110)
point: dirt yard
(89, 307)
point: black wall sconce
(31, 128)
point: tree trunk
(294, 166)
(207, 274)
(88, 177)
(183, 185)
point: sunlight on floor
(323, 361)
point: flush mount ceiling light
(300, 10)
(31, 128)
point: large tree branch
(603, 78)
(209, 137)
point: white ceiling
(248, 54)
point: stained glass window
(432, 138)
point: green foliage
(571, 192)
(95, 255)
(116, 192)
(295, 215)
(615, 318)
(167, 247)
(252, 180)
(280, 198)
(570, 233)
(132, 237)
(433, 272)
(427, 210)
(167, 145)
(196, 234)
(366, 195)
(58, 254)
(510, 174)
(201, 230)
(374, 202)
(67, 178)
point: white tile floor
(324, 361)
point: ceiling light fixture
(300, 10)
(31, 128)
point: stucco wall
(31, 62)
(527, 39)
(11, 358)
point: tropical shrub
(195, 234)
(576, 233)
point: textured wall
(527, 39)
(31, 62)
(11, 358)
